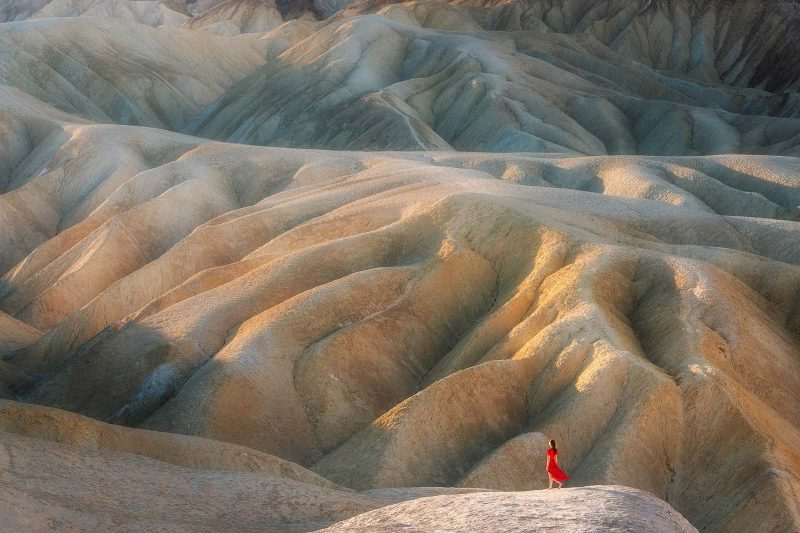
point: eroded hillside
(574, 220)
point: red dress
(553, 469)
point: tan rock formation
(54, 425)
(15, 334)
(75, 65)
(592, 239)
(394, 319)
(100, 490)
(588, 92)
(88, 490)
(150, 12)
(233, 17)
(604, 508)
(512, 466)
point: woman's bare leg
(550, 486)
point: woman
(553, 471)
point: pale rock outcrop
(586, 230)
(602, 508)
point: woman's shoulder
(551, 451)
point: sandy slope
(395, 319)
(149, 12)
(736, 42)
(15, 334)
(659, 78)
(61, 470)
(234, 17)
(91, 490)
(386, 319)
(181, 450)
(427, 75)
(110, 70)
(95, 490)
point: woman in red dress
(553, 471)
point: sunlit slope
(537, 219)
(47, 485)
(60, 470)
(393, 319)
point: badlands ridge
(303, 264)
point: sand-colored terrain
(150, 12)
(537, 220)
(394, 319)
(661, 78)
(603, 508)
(107, 69)
(98, 490)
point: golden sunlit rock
(457, 230)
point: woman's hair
(553, 445)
